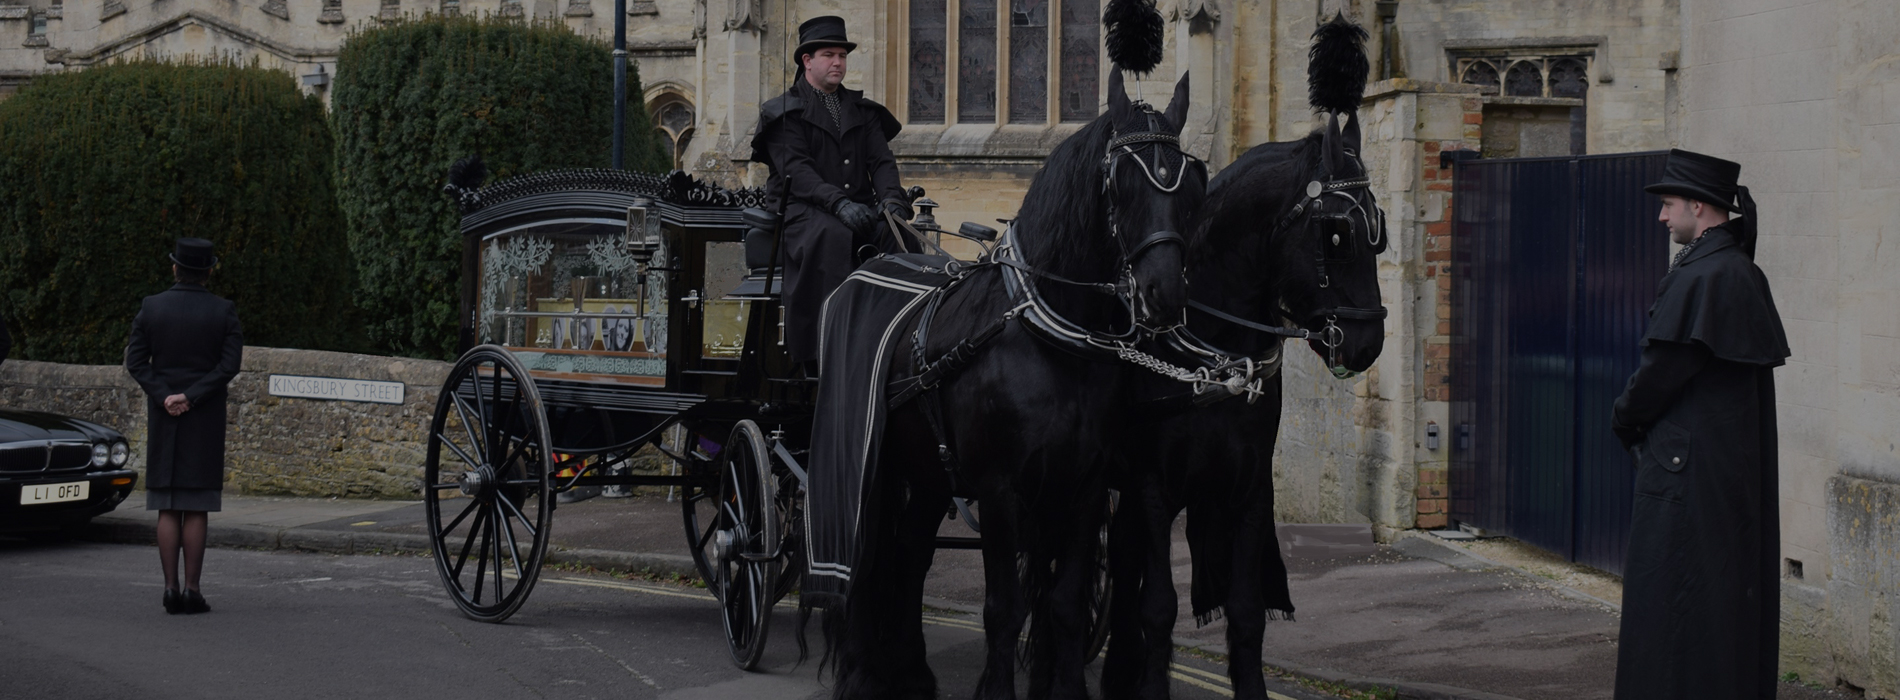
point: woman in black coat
(186, 347)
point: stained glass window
(976, 66)
(1028, 61)
(1081, 59)
(1524, 80)
(1567, 79)
(927, 27)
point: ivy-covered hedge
(413, 96)
(102, 169)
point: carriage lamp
(640, 245)
(1431, 435)
(925, 220)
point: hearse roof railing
(675, 197)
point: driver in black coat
(832, 166)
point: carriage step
(959, 543)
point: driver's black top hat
(1700, 177)
(194, 254)
(819, 32)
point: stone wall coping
(342, 365)
(981, 140)
(1393, 86)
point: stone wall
(275, 445)
(1806, 95)
(1355, 451)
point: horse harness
(1219, 374)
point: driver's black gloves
(898, 208)
(857, 217)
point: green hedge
(102, 169)
(413, 96)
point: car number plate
(54, 493)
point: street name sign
(334, 389)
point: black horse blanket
(861, 323)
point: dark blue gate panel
(1555, 263)
(1624, 254)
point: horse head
(1329, 258)
(1122, 181)
(1151, 188)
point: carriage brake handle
(778, 448)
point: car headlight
(100, 454)
(120, 452)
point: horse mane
(1228, 244)
(1062, 224)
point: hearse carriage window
(569, 298)
(723, 334)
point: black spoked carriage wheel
(745, 543)
(485, 484)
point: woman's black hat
(194, 254)
(821, 32)
(1699, 177)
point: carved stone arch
(1482, 73)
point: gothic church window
(1567, 79)
(927, 26)
(1004, 52)
(673, 119)
(1524, 80)
(1526, 73)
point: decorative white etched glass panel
(574, 302)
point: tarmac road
(82, 620)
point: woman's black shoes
(194, 603)
(174, 603)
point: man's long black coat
(1701, 595)
(185, 340)
(814, 166)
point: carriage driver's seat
(761, 231)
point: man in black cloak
(1701, 595)
(831, 162)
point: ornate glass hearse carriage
(604, 311)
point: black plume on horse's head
(1136, 33)
(1337, 68)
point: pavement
(1421, 617)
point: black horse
(1026, 427)
(1289, 230)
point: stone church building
(1804, 93)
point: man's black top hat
(194, 254)
(1699, 177)
(819, 32)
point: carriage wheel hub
(477, 481)
(722, 545)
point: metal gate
(1555, 264)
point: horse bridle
(1130, 146)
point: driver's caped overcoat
(814, 166)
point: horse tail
(1337, 68)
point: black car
(58, 472)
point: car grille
(33, 456)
